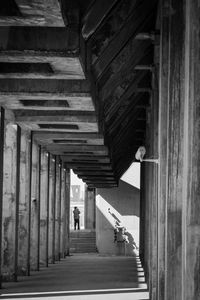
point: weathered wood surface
(9, 209)
(191, 225)
(23, 234)
(43, 101)
(51, 246)
(95, 15)
(43, 208)
(163, 146)
(2, 122)
(40, 39)
(35, 13)
(130, 28)
(45, 117)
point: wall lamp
(141, 153)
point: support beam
(48, 212)
(2, 117)
(48, 41)
(17, 237)
(39, 205)
(85, 158)
(55, 118)
(9, 203)
(58, 210)
(67, 193)
(48, 87)
(89, 166)
(47, 101)
(78, 148)
(140, 17)
(95, 16)
(52, 65)
(67, 136)
(23, 210)
(33, 207)
(95, 173)
(52, 179)
(39, 13)
(43, 208)
(90, 209)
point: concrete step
(83, 241)
(83, 234)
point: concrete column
(23, 210)
(175, 148)
(67, 200)
(63, 229)
(52, 190)
(142, 215)
(90, 208)
(43, 207)
(34, 208)
(163, 152)
(179, 210)
(2, 117)
(48, 204)
(191, 158)
(57, 210)
(9, 203)
(39, 205)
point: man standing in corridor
(76, 213)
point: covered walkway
(85, 276)
(94, 86)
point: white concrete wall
(124, 205)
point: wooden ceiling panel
(63, 88)
(31, 13)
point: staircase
(83, 241)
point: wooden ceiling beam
(46, 101)
(88, 165)
(45, 117)
(96, 177)
(77, 148)
(67, 135)
(30, 86)
(39, 13)
(34, 64)
(45, 41)
(101, 186)
(90, 159)
(130, 92)
(141, 16)
(124, 64)
(95, 16)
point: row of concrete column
(170, 193)
(34, 203)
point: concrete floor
(81, 277)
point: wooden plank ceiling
(78, 74)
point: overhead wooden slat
(95, 16)
(68, 87)
(141, 16)
(87, 158)
(41, 117)
(35, 13)
(66, 135)
(124, 63)
(130, 92)
(43, 101)
(40, 40)
(89, 165)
